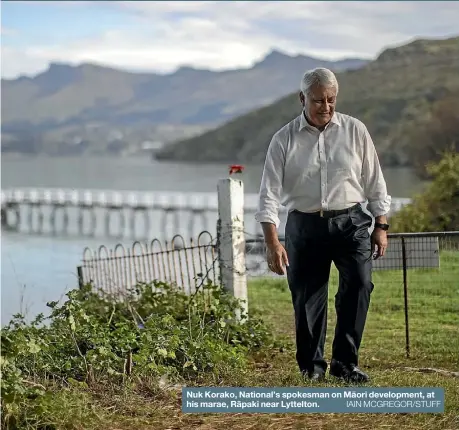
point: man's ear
(301, 96)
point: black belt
(331, 213)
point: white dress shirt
(311, 170)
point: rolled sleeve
(374, 184)
(271, 184)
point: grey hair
(320, 76)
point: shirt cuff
(267, 217)
(380, 207)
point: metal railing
(184, 265)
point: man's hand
(277, 258)
(378, 243)
(276, 253)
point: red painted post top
(235, 168)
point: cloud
(5, 31)
(221, 35)
(15, 62)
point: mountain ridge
(49, 112)
(391, 95)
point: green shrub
(155, 330)
(437, 208)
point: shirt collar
(304, 123)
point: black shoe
(314, 375)
(348, 372)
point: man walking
(322, 166)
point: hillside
(89, 108)
(391, 95)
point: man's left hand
(378, 243)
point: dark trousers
(312, 243)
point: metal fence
(186, 265)
(415, 300)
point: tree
(437, 208)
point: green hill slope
(391, 95)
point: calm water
(35, 270)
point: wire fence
(415, 299)
(184, 264)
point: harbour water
(37, 269)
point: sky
(163, 36)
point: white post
(231, 238)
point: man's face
(320, 105)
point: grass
(434, 342)
(433, 311)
